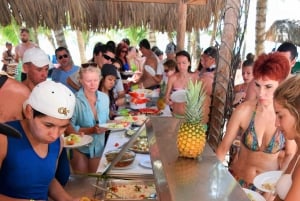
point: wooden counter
(180, 179)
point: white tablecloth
(135, 169)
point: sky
(277, 10)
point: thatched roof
(99, 14)
(284, 30)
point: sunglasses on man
(109, 58)
(63, 56)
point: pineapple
(191, 137)
(161, 101)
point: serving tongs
(108, 191)
(124, 148)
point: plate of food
(149, 111)
(135, 119)
(132, 131)
(140, 146)
(115, 126)
(254, 196)
(266, 181)
(74, 140)
(126, 162)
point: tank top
(24, 174)
(284, 183)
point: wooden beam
(181, 27)
(190, 2)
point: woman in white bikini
(287, 108)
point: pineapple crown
(195, 96)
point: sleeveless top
(24, 174)
(284, 183)
(249, 139)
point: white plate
(150, 70)
(114, 126)
(270, 178)
(146, 163)
(254, 196)
(179, 96)
(85, 140)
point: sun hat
(36, 56)
(9, 130)
(109, 69)
(53, 99)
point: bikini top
(249, 139)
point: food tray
(140, 146)
(141, 190)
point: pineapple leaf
(195, 96)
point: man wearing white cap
(28, 164)
(36, 65)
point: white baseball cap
(53, 99)
(36, 56)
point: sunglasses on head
(85, 65)
(108, 58)
(63, 56)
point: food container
(137, 100)
(130, 190)
(126, 160)
(137, 106)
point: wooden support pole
(181, 28)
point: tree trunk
(261, 11)
(222, 76)
(60, 38)
(81, 46)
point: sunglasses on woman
(92, 64)
(109, 58)
(63, 56)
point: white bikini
(284, 183)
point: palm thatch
(284, 30)
(105, 14)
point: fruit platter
(138, 100)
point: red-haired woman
(261, 141)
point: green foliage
(10, 33)
(135, 34)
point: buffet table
(175, 178)
(117, 139)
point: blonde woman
(287, 108)
(92, 109)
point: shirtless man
(21, 48)
(289, 50)
(13, 95)
(36, 65)
(149, 78)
